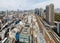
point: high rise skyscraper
(41, 12)
(50, 14)
(37, 11)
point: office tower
(37, 11)
(50, 14)
(58, 28)
(41, 12)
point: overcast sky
(26, 4)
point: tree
(57, 17)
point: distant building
(37, 11)
(41, 12)
(50, 14)
(57, 10)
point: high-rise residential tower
(50, 14)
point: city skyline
(26, 4)
(39, 23)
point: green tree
(57, 17)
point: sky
(26, 4)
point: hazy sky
(26, 4)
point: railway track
(54, 36)
(52, 33)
